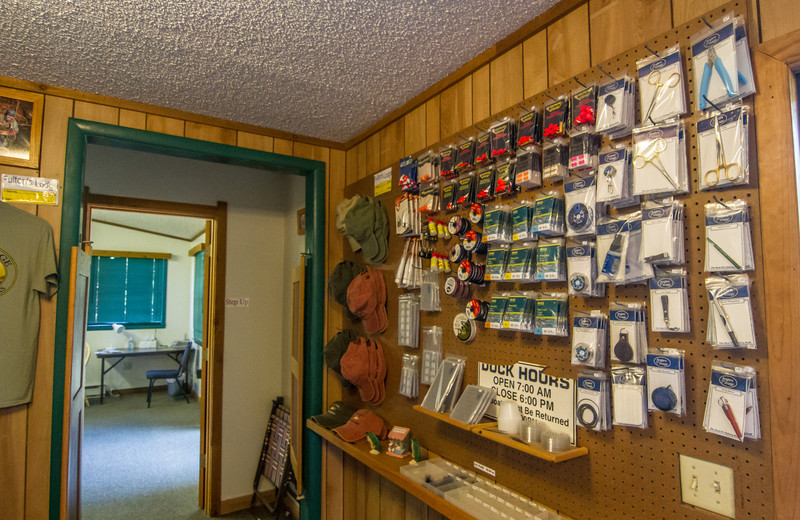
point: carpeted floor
(140, 463)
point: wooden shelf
(458, 424)
(389, 467)
(536, 451)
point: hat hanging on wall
(339, 281)
(365, 224)
(366, 298)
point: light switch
(707, 485)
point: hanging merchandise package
(483, 149)
(659, 160)
(612, 248)
(722, 149)
(616, 113)
(521, 215)
(627, 332)
(662, 232)
(584, 146)
(593, 401)
(528, 171)
(465, 156)
(497, 310)
(408, 275)
(504, 179)
(715, 65)
(581, 207)
(530, 128)
(551, 260)
(582, 270)
(465, 195)
(504, 140)
(747, 84)
(409, 377)
(548, 215)
(406, 219)
(428, 167)
(429, 201)
(629, 389)
(661, 86)
(408, 307)
(496, 262)
(446, 386)
(589, 333)
(430, 299)
(519, 311)
(472, 404)
(556, 118)
(485, 184)
(730, 312)
(447, 162)
(555, 160)
(666, 381)
(521, 262)
(669, 301)
(732, 402)
(614, 178)
(407, 179)
(729, 247)
(551, 315)
(497, 224)
(449, 189)
(584, 108)
(431, 353)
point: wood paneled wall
(25, 430)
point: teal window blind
(197, 307)
(130, 291)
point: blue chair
(153, 375)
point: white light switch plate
(707, 485)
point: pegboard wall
(629, 472)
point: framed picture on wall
(301, 221)
(20, 127)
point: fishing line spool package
(614, 179)
(669, 301)
(659, 159)
(555, 160)
(662, 232)
(589, 333)
(446, 386)
(497, 224)
(548, 215)
(521, 216)
(666, 381)
(627, 332)
(519, 311)
(722, 149)
(521, 265)
(528, 170)
(407, 178)
(580, 196)
(409, 376)
(428, 167)
(732, 402)
(582, 270)
(408, 307)
(497, 310)
(729, 246)
(629, 389)
(616, 113)
(497, 261)
(431, 353)
(730, 312)
(593, 400)
(551, 314)
(551, 260)
(662, 91)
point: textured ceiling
(328, 69)
(186, 228)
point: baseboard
(140, 390)
(235, 504)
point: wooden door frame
(79, 134)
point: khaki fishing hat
(341, 212)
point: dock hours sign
(540, 396)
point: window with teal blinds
(130, 291)
(197, 307)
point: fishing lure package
(714, 63)
(483, 149)
(429, 200)
(521, 262)
(730, 312)
(551, 314)
(627, 332)
(614, 180)
(659, 160)
(548, 215)
(503, 136)
(616, 112)
(496, 262)
(447, 162)
(408, 274)
(465, 195)
(662, 232)
(428, 167)
(732, 402)
(556, 118)
(669, 301)
(629, 392)
(722, 149)
(582, 270)
(529, 132)
(497, 223)
(593, 401)
(485, 184)
(407, 178)
(504, 178)
(449, 189)
(661, 86)
(729, 246)
(581, 206)
(589, 333)
(528, 170)
(406, 218)
(465, 155)
(521, 215)
(584, 146)
(555, 160)
(583, 107)
(666, 381)
(519, 311)
(551, 260)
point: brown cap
(355, 367)
(360, 423)
(378, 373)
(366, 298)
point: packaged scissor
(730, 312)
(616, 108)
(715, 65)
(722, 148)
(659, 159)
(661, 86)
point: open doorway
(240, 302)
